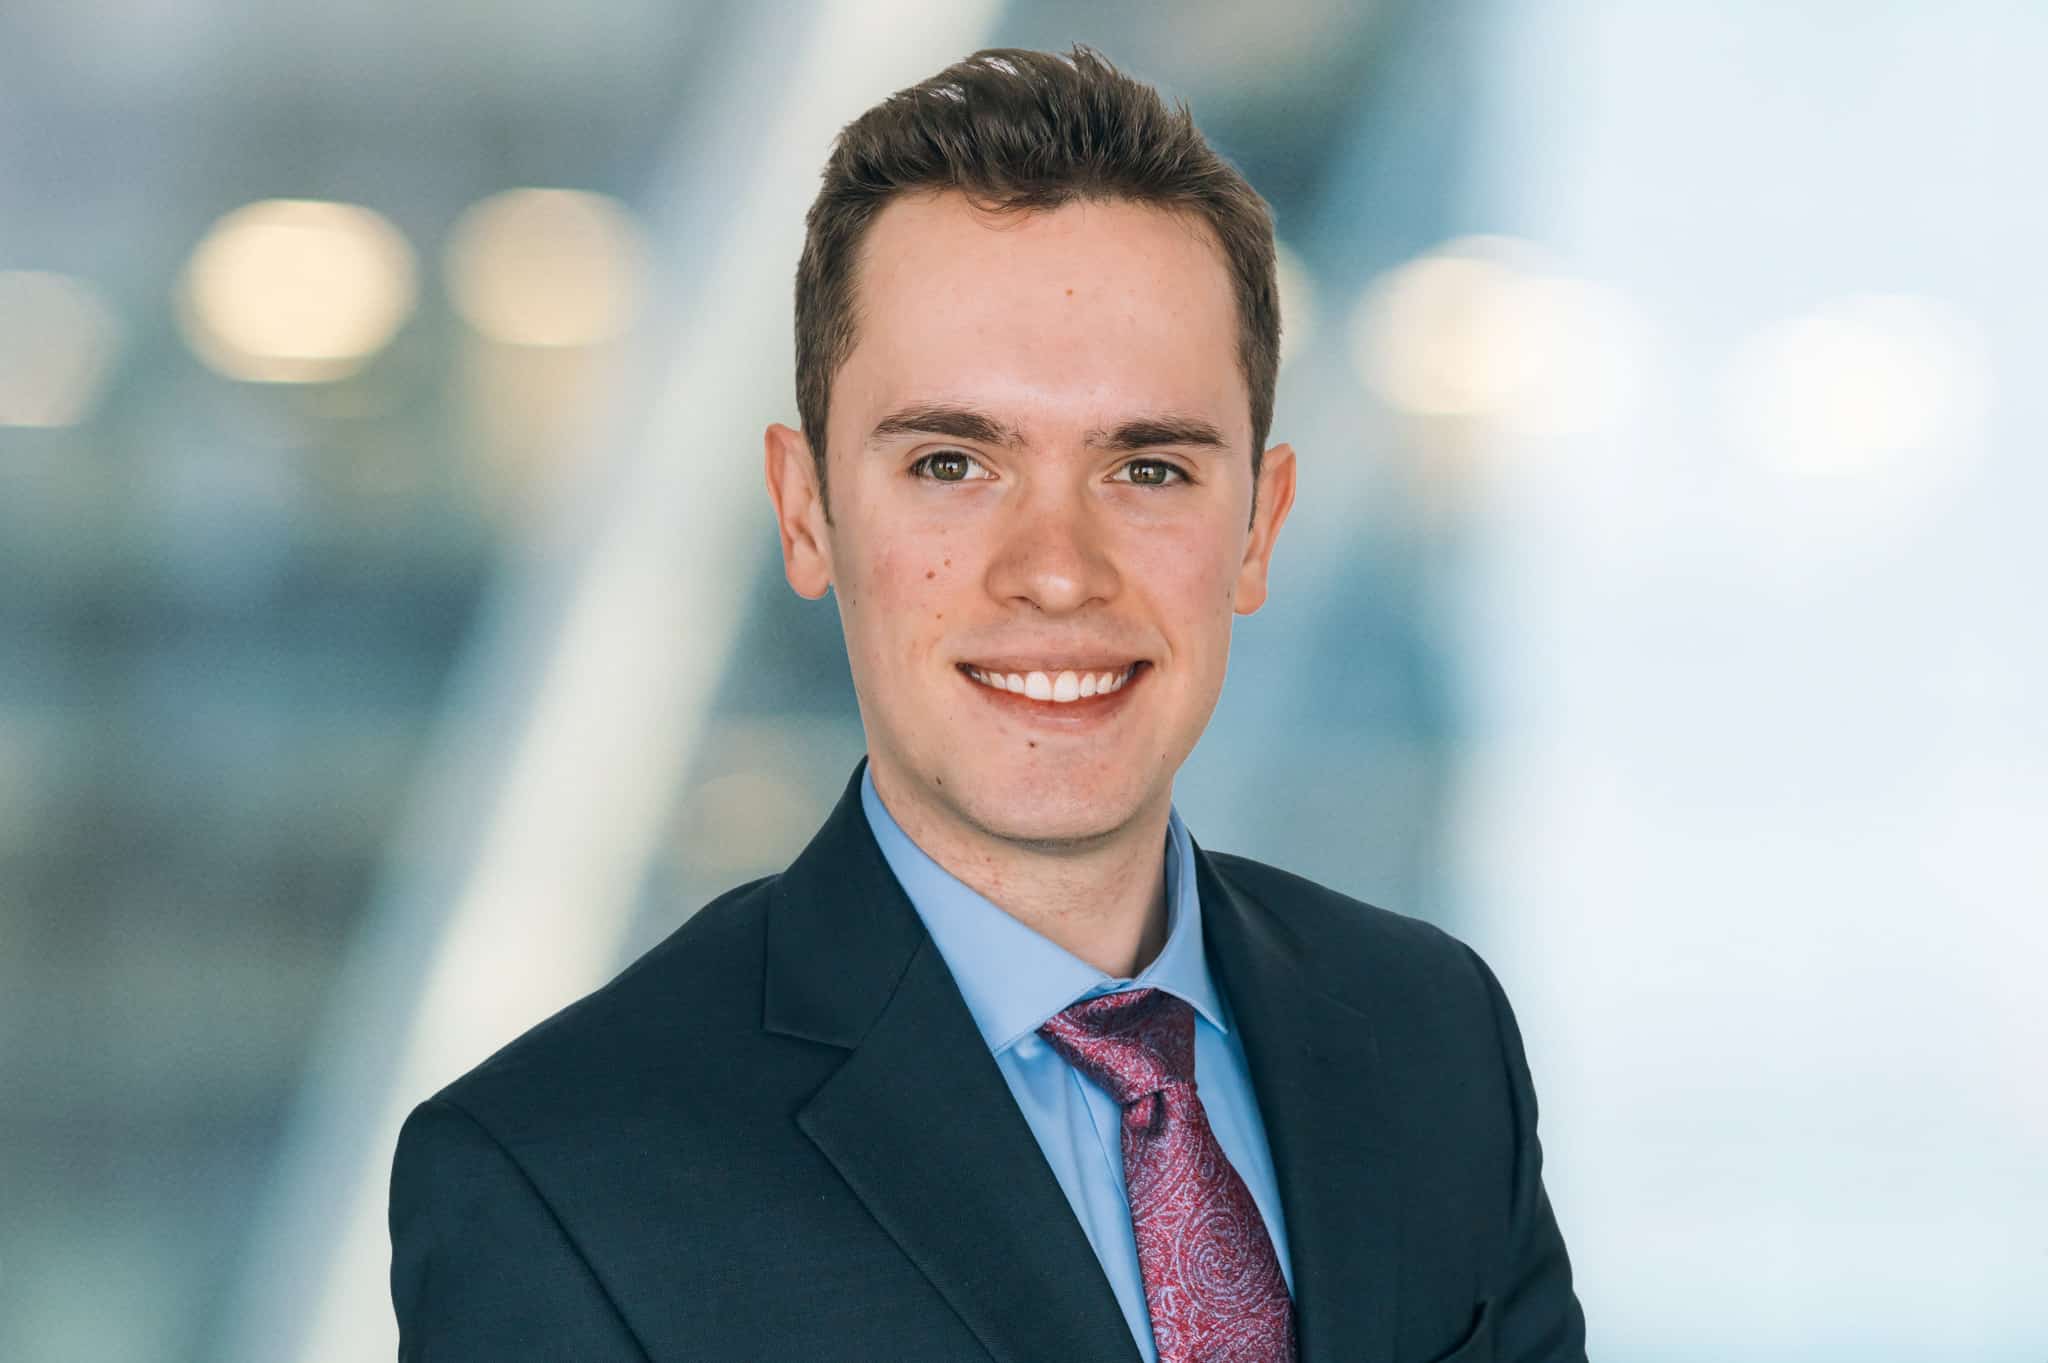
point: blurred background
(393, 639)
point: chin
(1049, 818)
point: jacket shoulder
(1358, 949)
(695, 993)
(1322, 916)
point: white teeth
(1061, 689)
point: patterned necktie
(1212, 1280)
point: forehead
(1084, 313)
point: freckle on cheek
(930, 573)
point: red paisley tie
(1212, 1281)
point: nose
(1054, 554)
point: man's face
(1040, 468)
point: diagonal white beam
(512, 884)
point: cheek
(909, 573)
(1194, 575)
(908, 589)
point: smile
(1064, 687)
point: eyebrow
(959, 422)
(1148, 433)
(947, 419)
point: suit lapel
(1315, 1069)
(918, 1120)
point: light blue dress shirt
(1014, 979)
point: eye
(946, 466)
(1154, 473)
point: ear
(1276, 497)
(799, 511)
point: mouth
(1065, 693)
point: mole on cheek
(930, 573)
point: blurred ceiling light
(546, 267)
(57, 336)
(1855, 386)
(1297, 302)
(1439, 335)
(1475, 329)
(296, 290)
(1587, 345)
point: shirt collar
(1012, 977)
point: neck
(1103, 898)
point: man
(1004, 1066)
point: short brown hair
(1018, 131)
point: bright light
(1440, 335)
(1297, 302)
(1586, 346)
(1855, 387)
(56, 338)
(1476, 329)
(546, 267)
(296, 291)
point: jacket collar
(920, 1124)
(918, 1120)
(840, 933)
(1315, 1066)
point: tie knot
(1133, 1043)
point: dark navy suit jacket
(778, 1135)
